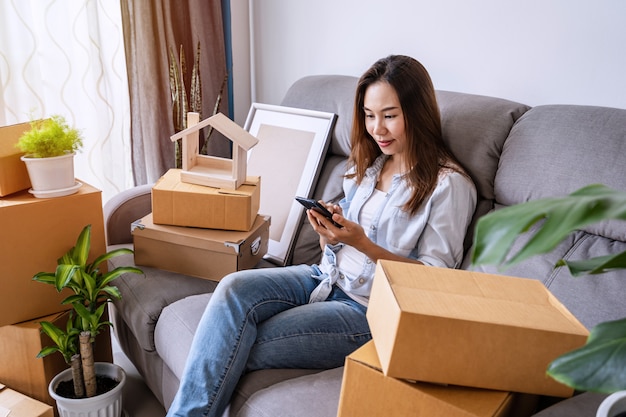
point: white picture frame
(292, 141)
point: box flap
(9, 136)
(467, 295)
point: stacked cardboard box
(20, 368)
(179, 203)
(35, 233)
(13, 174)
(460, 330)
(203, 253)
(14, 404)
(202, 231)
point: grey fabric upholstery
(513, 153)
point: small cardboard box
(203, 253)
(178, 203)
(14, 404)
(13, 174)
(35, 233)
(365, 391)
(20, 368)
(467, 328)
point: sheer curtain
(67, 57)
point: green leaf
(597, 366)
(81, 250)
(64, 274)
(47, 351)
(109, 255)
(497, 231)
(594, 266)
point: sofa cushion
(556, 149)
(315, 395)
(175, 329)
(144, 296)
(475, 128)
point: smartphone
(312, 204)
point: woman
(406, 198)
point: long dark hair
(427, 152)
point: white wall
(534, 51)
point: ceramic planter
(613, 406)
(108, 404)
(51, 177)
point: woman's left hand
(350, 233)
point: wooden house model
(214, 171)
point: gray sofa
(513, 152)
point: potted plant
(91, 290)
(599, 365)
(49, 148)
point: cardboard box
(14, 404)
(35, 233)
(21, 370)
(203, 253)
(365, 391)
(13, 174)
(468, 328)
(180, 203)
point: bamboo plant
(182, 103)
(91, 291)
(601, 363)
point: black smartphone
(312, 204)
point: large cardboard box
(21, 370)
(13, 174)
(468, 328)
(365, 391)
(180, 203)
(203, 253)
(14, 404)
(35, 233)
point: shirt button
(361, 280)
(341, 276)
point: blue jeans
(259, 319)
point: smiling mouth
(384, 143)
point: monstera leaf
(497, 232)
(600, 365)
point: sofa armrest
(123, 209)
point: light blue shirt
(433, 235)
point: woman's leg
(228, 330)
(312, 336)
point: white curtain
(67, 57)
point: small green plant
(600, 365)
(91, 292)
(50, 137)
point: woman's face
(384, 119)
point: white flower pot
(49, 175)
(614, 405)
(108, 404)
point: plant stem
(77, 376)
(86, 354)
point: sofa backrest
(514, 153)
(474, 127)
(551, 151)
